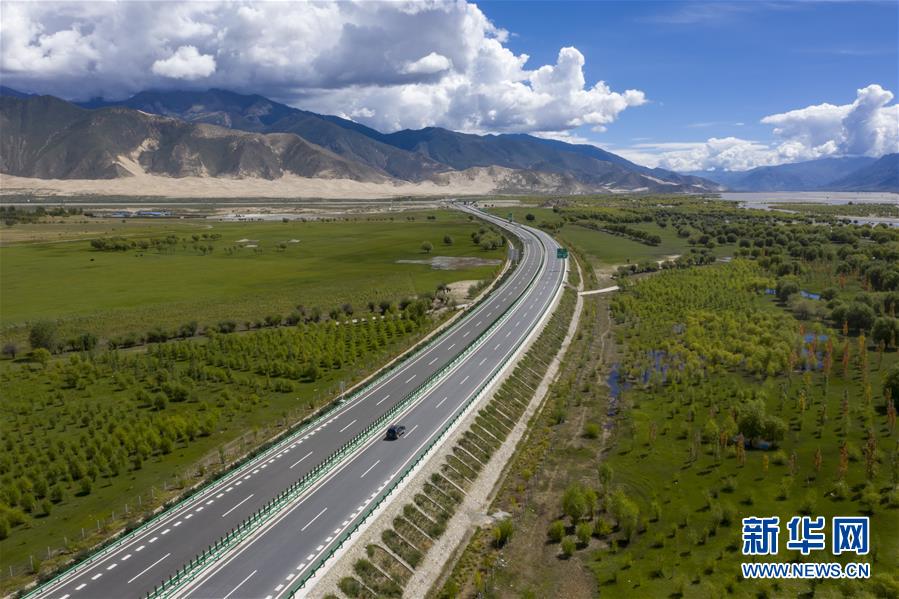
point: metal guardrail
(250, 460)
(196, 566)
(301, 582)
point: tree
(754, 423)
(530, 217)
(891, 383)
(574, 504)
(885, 330)
(85, 342)
(625, 512)
(427, 246)
(786, 288)
(448, 240)
(10, 350)
(41, 356)
(43, 334)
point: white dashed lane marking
(348, 426)
(441, 401)
(300, 460)
(240, 584)
(148, 567)
(247, 498)
(308, 524)
(369, 469)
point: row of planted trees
(46, 335)
(87, 419)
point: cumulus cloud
(185, 63)
(428, 65)
(390, 65)
(869, 126)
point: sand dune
(288, 186)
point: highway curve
(285, 550)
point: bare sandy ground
(288, 186)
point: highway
(286, 547)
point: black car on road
(395, 432)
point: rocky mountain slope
(882, 175)
(218, 133)
(45, 137)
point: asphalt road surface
(289, 544)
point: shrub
(502, 532)
(556, 531)
(584, 531)
(41, 356)
(602, 528)
(568, 547)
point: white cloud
(390, 64)
(728, 153)
(185, 63)
(869, 126)
(428, 65)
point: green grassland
(606, 250)
(115, 292)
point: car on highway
(395, 432)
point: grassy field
(607, 250)
(604, 251)
(314, 264)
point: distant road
(280, 552)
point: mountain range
(218, 133)
(851, 173)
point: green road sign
(561, 253)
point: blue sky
(682, 85)
(705, 67)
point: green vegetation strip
(442, 496)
